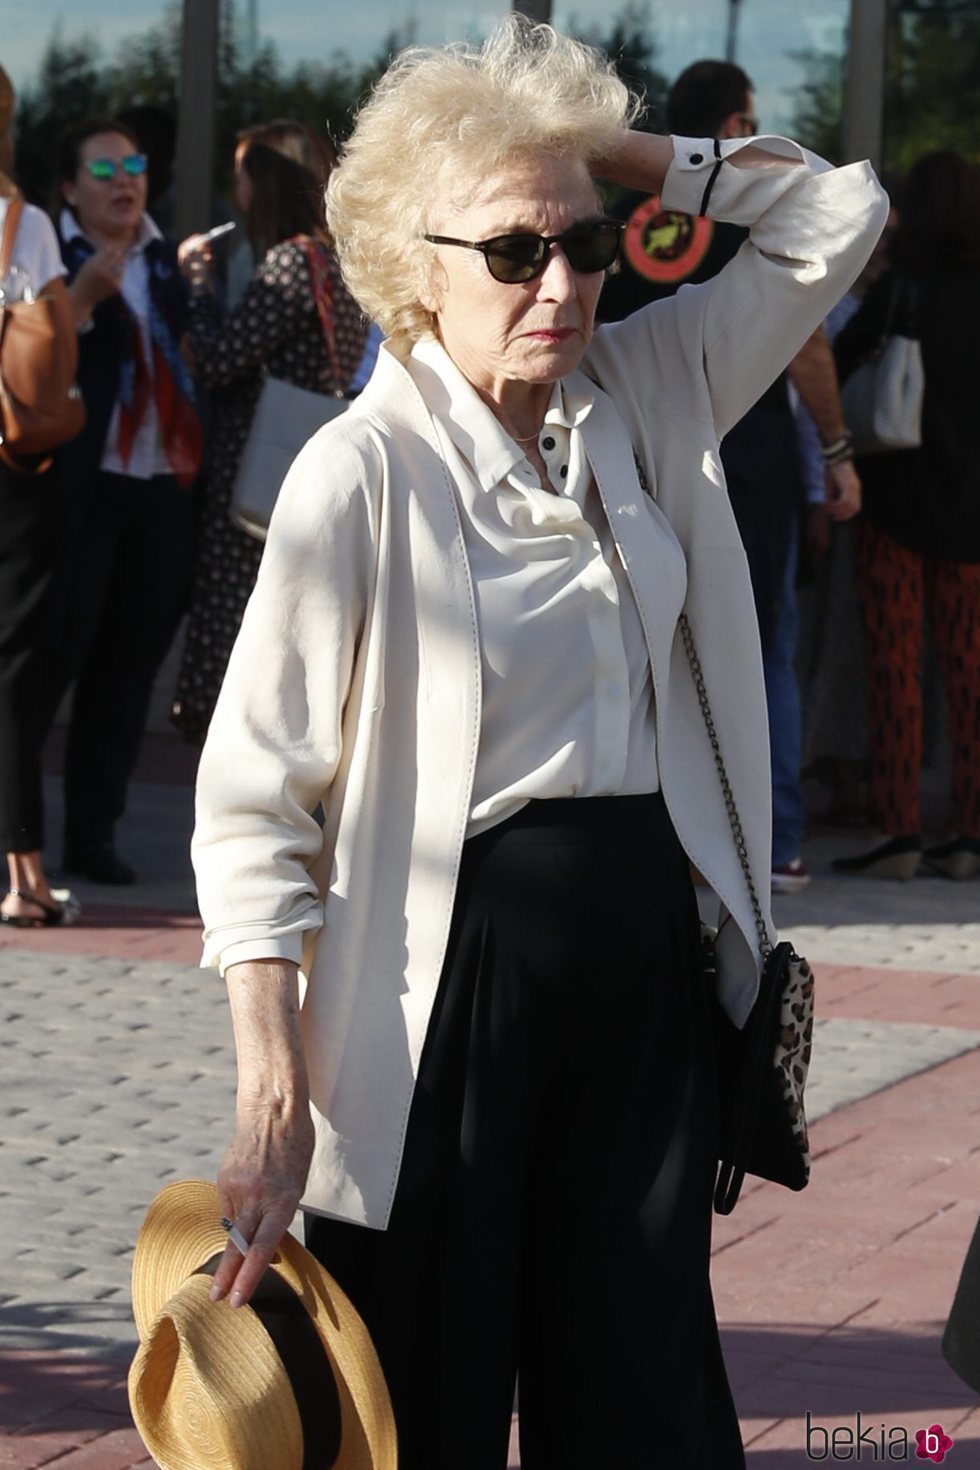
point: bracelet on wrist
(839, 451)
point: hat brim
(182, 1231)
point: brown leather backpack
(40, 404)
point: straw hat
(219, 1388)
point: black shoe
(898, 857)
(99, 863)
(957, 858)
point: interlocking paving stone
(120, 1075)
(852, 1059)
(889, 1213)
(116, 1077)
(954, 948)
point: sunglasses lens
(588, 248)
(514, 258)
(102, 168)
(135, 164)
(593, 247)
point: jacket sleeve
(811, 230)
(275, 741)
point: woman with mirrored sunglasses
(121, 584)
(493, 1091)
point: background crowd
(859, 569)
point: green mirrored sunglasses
(133, 164)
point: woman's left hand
(264, 1172)
(261, 1182)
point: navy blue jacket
(99, 361)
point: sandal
(65, 911)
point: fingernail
(236, 1299)
(216, 1293)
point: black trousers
(29, 521)
(552, 1218)
(120, 592)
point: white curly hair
(442, 116)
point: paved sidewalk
(118, 1074)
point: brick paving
(118, 1074)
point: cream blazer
(355, 681)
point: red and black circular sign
(663, 245)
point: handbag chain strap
(731, 806)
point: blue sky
(769, 30)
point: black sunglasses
(589, 246)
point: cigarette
(236, 1237)
(220, 230)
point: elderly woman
(473, 1036)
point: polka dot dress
(274, 329)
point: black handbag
(762, 1067)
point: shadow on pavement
(45, 1334)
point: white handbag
(285, 418)
(882, 399)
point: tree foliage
(932, 86)
(818, 116)
(75, 80)
(932, 97)
(71, 84)
(630, 43)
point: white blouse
(36, 254)
(567, 691)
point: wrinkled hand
(843, 491)
(260, 1183)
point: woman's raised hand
(98, 278)
(195, 257)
